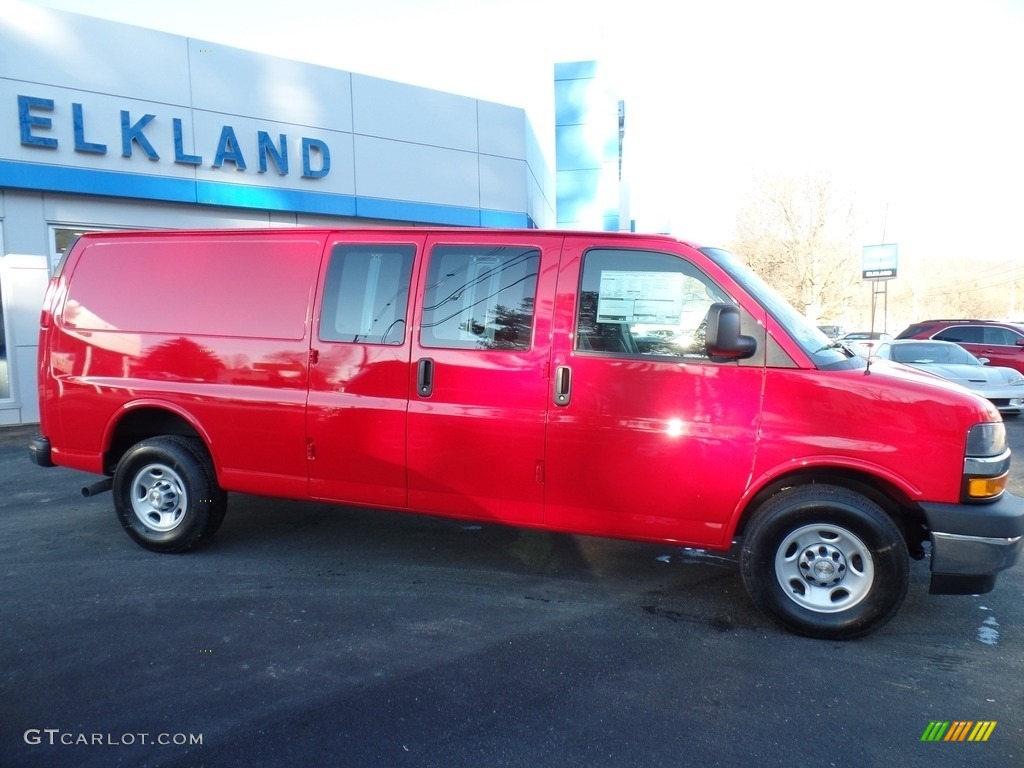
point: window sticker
(652, 298)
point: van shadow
(272, 538)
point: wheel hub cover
(162, 497)
(823, 565)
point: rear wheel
(825, 561)
(166, 494)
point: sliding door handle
(563, 385)
(425, 377)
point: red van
(591, 383)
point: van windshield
(821, 349)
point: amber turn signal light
(986, 487)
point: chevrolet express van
(590, 383)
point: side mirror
(724, 340)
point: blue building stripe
(274, 199)
(506, 220)
(378, 208)
(87, 181)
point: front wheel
(825, 561)
(166, 494)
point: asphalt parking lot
(305, 634)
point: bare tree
(797, 233)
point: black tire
(825, 562)
(218, 505)
(166, 494)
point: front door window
(642, 303)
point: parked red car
(591, 383)
(1001, 344)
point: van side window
(643, 303)
(366, 293)
(480, 297)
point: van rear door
(480, 375)
(647, 437)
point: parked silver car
(863, 343)
(1004, 387)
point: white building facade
(109, 126)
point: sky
(915, 108)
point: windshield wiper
(837, 345)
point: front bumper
(971, 543)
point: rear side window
(195, 286)
(643, 303)
(1000, 336)
(480, 297)
(967, 334)
(912, 331)
(366, 294)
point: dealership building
(207, 136)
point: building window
(5, 370)
(63, 237)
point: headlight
(987, 439)
(1016, 381)
(986, 463)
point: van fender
(889, 484)
(119, 415)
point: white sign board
(879, 262)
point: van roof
(416, 230)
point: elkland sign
(37, 127)
(82, 115)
